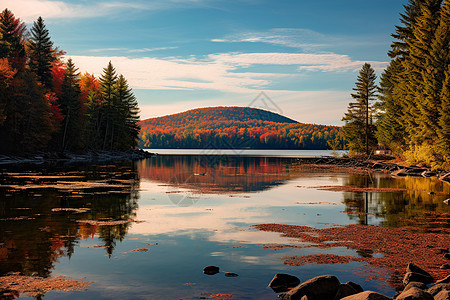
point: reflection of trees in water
(32, 239)
(421, 196)
(219, 173)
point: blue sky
(182, 54)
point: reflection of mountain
(218, 174)
(39, 225)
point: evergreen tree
(41, 52)
(72, 126)
(399, 48)
(12, 32)
(128, 115)
(444, 120)
(390, 131)
(359, 117)
(107, 82)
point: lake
(146, 229)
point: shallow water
(192, 211)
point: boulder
(435, 289)
(445, 280)
(356, 286)
(344, 291)
(412, 268)
(318, 288)
(412, 284)
(283, 282)
(417, 277)
(442, 295)
(415, 293)
(211, 270)
(367, 295)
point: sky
(295, 57)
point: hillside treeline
(235, 127)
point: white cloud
(305, 39)
(219, 72)
(30, 10)
(127, 50)
(288, 37)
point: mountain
(234, 127)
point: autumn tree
(359, 128)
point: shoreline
(72, 158)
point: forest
(47, 105)
(236, 128)
(409, 111)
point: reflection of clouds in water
(227, 219)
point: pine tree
(41, 52)
(390, 131)
(107, 83)
(399, 48)
(12, 32)
(359, 117)
(70, 105)
(444, 120)
(128, 115)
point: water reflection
(48, 216)
(39, 220)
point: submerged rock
(211, 270)
(283, 282)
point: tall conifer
(41, 52)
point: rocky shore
(418, 284)
(379, 166)
(69, 157)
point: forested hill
(234, 127)
(218, 114)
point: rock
(344, 291)
(445, 280)
(435, 289)
(442, 295)
(411, 276)
(416, 284)
(412, 268)
(211, 270)
(367, 295)
(283, 282)
(445, 267)
(415, 293)
(230, 274)
(320, 287)
(356, 286)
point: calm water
(193, 211)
